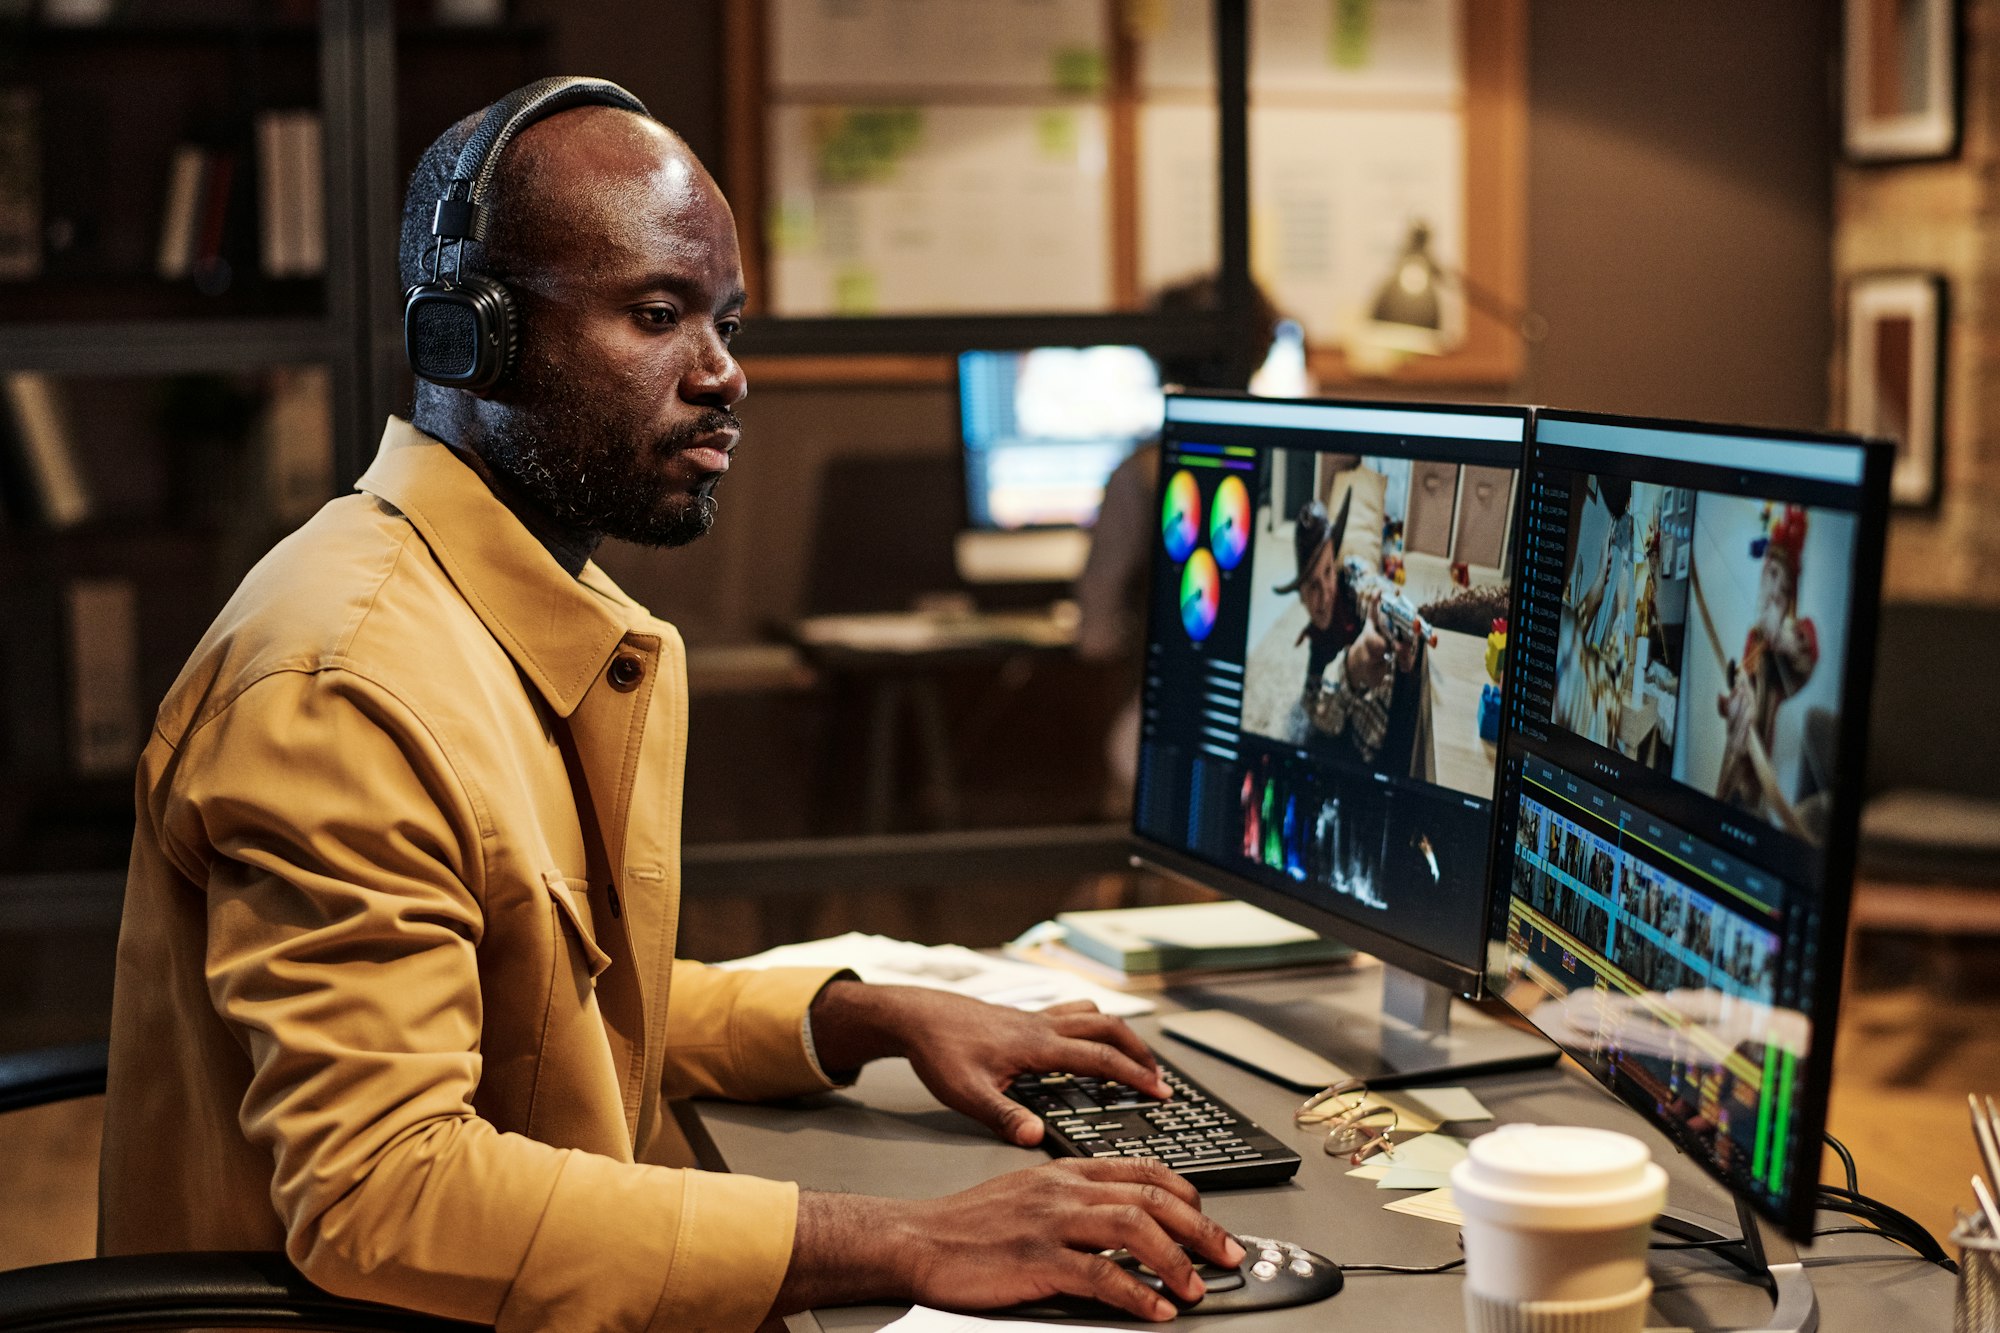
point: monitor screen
(1322, 692)
(1674, 845)
(1043, 429)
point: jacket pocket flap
(574, 904)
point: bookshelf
(203, 412)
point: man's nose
(716, 379)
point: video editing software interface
(1683, 630)
(1323, 663)
(1043, 429)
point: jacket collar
(560, 631)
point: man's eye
(657, 316)
(729, 328)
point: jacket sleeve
(742, 1035)
(342, 855)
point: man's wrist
(847, 1248)
(853, 1023)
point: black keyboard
(1195, 1133)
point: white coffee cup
(1558, 1214)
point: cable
(1722, 1243)
(1893, 1223)
(1397, 1268)
(1902, 1220)
(1847, 1161)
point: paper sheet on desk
(1421, 1163)
(923, 1319)
(1437, 1206)
(882, 961)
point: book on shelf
(46, 462)
(182, 211)
(1188, 937)
(20, 184)
(291, 194)
(102, 623)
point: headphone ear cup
(463, 334)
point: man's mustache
(709, 422)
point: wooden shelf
(167, 347)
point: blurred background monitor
(1041, 431)
(1694, 632)
(1322, 693)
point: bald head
(584, 172)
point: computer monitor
(1322, 690)
(1042, 430)
(1694, 633)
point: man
(1362, 695)
(395, 986)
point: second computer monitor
(1324, 663)
(1681, 785)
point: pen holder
(1977, 1309)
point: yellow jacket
(396, 989)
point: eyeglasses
(1356, 1126)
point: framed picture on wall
(1895, 375)
(1901, 89)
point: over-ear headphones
(462, 330)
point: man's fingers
(1183, 1221)
(1071, 1007)
(1094, 1026)
(1096, 1277)
(1129, 1226)
(1009, 1119)
(1091, 1057)
(1133, 1171)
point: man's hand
(967, 1052)
(1024, 1236)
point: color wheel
(1180, 515)
(1229, 522)
(1201, 595)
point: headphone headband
(461, 331)
(462, 216)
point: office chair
(165, 1291)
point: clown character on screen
(1779, 654)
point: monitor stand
(1765, 1253)
(1400, 1032)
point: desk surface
(888, 1136)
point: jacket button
(627, 670)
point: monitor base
(1765, 1253)
(1405, 1032)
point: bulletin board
(1051, 157)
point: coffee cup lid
(1558, 1177)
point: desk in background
(888, 1136)
(897, 657)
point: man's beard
(590, 471)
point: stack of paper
(885, 962)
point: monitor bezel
(1463, 979)
(965, 517)
(1842, 844)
